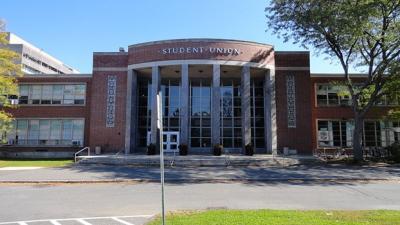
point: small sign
(201, 50)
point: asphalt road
(35, 202)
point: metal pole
(160, 122)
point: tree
(9, 70)
(359, 33)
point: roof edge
(198, 40)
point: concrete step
(196, 160)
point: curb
(292, 180)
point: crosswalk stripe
(54, 222)
(121, 221)
(82, 221)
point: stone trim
(110, 69)
(199, 62)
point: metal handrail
(83, 149)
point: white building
(34, 60)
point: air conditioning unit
(14, 101)
(76, 142)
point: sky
(72, 30)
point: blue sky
(72, 30)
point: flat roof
(337, 75)
(197, 40)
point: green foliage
(35, 162)
(282, 217)
(362, 33)
(9, 70)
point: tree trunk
(357, 138)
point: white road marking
(65, 219)
(54, 222)
(82, 221)
(121, 221)
(20, 168)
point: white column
(184, 105)
(245, 100)
(270, 112)
(216, 105)
(128, 115)
(156, 106)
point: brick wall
(336, 112)
(110, 139)
(300, 137)
(43, 111)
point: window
(200, 113)
(144, 110)
(23, 94)
(328, 95)
(55, 94)
(257, 113)
(339, 133)
(53, 132)
(231, 133)
(334, 133)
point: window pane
(22, 129)
(80, 93)
(195, 132)
(36, 92)
(55, 130)
(195, 142)
(44, 129)
(34, 130)
(69, 91)
(77, 133)
(67, 130)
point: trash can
(97, 150)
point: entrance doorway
(170, 140)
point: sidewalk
(98, 173)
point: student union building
(200, 92)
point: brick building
(208, 91)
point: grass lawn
(282, 217)
(34, 162)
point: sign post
(160, 128)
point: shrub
(394, 150)
(183, 149)
(151, 149)
(249, 150)
(217, 150)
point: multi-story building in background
(34, 60)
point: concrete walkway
(101, 173)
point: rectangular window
(54, 132)
(58, 91)
(329, 95)
(35, 94)
(23, 94)
(47, 91)
(56, 94)
(333, 133)
(337, 133)
(33, 132)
